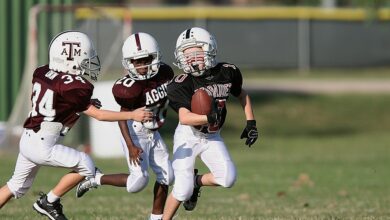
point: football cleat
(190, 204)
(85, 185)
(52, 210)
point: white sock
(51, 197)
(98, 176)
(155, 217)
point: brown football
(201, 102)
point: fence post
(15, 52)
(42, 35)
(304, 44)
(3, 60)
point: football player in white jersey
(144, 85)
(60, 94)
(198, 135)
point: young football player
(60, 93)
(144, 85)
(195, 54)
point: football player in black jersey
(198, 135)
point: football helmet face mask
(73, 52)
(141, 46)
(201, 60)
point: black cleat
(190, 204)
(51, 210)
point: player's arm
(250, 131)
(186, 117)
(134, 151)
(139, 114)
(246, 104)
(79, 96)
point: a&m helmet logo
(71, 49)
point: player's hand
(135, 155)
(96, 103)
(215, 117)
(142, 115)
(250, 132)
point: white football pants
(155, 155)
(188, 144)
(41, 149)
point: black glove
(213, 118)
(96, 103)
(250, 132)
(216, 113)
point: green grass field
(319, 157)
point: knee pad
(19, 186)
(137, 182)
(165, 178)
(17, 190)
(228, 178)
(184, 185)
(183, 192)
(86, 166)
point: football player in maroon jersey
(60, 93)
(195, 54)
(144, 85)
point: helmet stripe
(138, 42)
(188, 33)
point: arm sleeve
(125, 97)
(79, 98)
(179, 95)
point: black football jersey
(219, 82)
(151, 93)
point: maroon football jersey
(57, 97)
(152, 93)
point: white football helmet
(73, 52)
(137, 46)
(196, 37)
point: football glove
(216, 114)
(213, 118)
(250, 132)
(96, 103)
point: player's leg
(134, 182)
(138, 177)
(171, 206)
(81, 164)
(65, 157)
(67, 182)
(218, 160)
(186, 148)
(5, 195)
(21, 180)
(161, 166)
(160, 193)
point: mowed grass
(319, 157)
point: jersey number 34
(42, 103)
